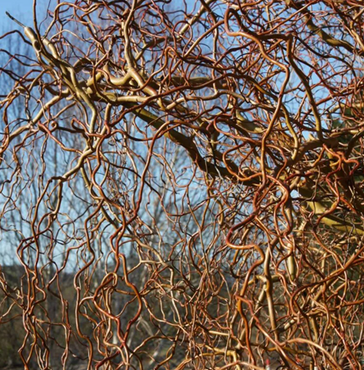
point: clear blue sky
(21, 9)
(17, 5)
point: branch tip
(14, 19)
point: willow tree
(198, 168)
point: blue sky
(17, 5)
(21, 9)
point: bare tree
(198, 169)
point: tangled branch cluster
(183, 184)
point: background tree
(197, 169)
